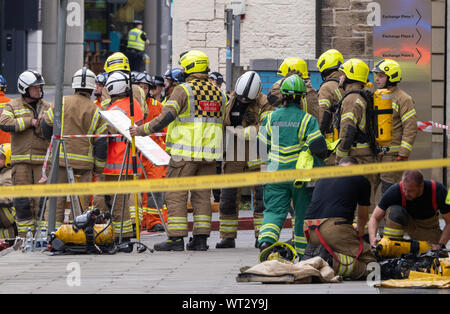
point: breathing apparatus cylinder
(382, 103)
(69, 234)
(392, 247)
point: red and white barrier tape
(427, 126)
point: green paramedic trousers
(277, 202)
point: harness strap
(433, 195)
(315, 227)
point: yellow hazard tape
(213, 181)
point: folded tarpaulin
(418, 280)
(314, 269)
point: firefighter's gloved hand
(401, 158)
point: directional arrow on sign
(420, 55)
(420, 17)
(420, 36)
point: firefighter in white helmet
(244, 113)
(21, 117)
(79, 117)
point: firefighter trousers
(343, 239)
(7, 223)
(121, 201)
(277, 202)
(230, 199)
(177, 221)
(27, 209)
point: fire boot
(171, 244)
(197, 243)
(226, 243)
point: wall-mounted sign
(404, 35)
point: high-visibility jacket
(286, 132)
(117, 145)
(196, 132)
(4, 136)
(134, 39)
(79, 117)
(154, 110)
(28, 144)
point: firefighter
(294, 65)
(153, 202)
(288, 132)
(119, 62)
(4, 136)
(137, 40)
(84, 155)
(157, 87)
(412, 206)
(21, 118)
(172, 78)
(100, 81)
(244, 113)
(8, 228)
(330, 93)
(404, 123)
(194, 116)
(328, 223)
(118, 87)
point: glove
(401, 158)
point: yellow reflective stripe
(228, 225)
(303, 125)
(325, 102)
(8, 113)
(102, 128)
(255, 162)
(262, 137)
(406, 145)
(94, 121)
(202, 221)
(263, 115)
(177, 223)
(19, 112)
(340, 153)
(283, 159)
(50, 115)
(408, 115)
(393, 232)
(395, 106)
(359, 102)
(394, 148)
(313, 136)
(21, 124)
(305, 104)
(268, 125)
(174, 103)
(338, 93)
(287, 149)
(349, 115)
(78, 157)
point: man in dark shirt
(331, 212)
(413, 206)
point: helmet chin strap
(27, 95)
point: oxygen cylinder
(382, 103)
(442, 268)
(68, 234)
(391, 247)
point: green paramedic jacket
(286, 132)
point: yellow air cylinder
(67, 234)
(391, 247)
(443, 268)
(382, 103)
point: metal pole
(169, 36)
(229, 27)
(237, 41)
(60, 61)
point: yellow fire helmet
(5, 150)
(355, 69)
(294, 63)
(194, 61)
(330, 59)
(389, 67)
(117, 62)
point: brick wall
(344, 27)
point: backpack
(370, 134)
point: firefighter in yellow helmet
(290, 66)
(404, 123)
(355, 133)
(119, 62)
(8, 227)
(330, 93)
(194, 115)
